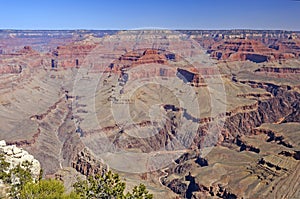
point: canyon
(189, 113)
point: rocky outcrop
(246, 49)
(201, 161)
(140, 57)
(217, 191)
(294, 116)
(278, 105)
(71, 55)
(68, 176)
(239, 49)
(292, 45)
(294, 154)
(244, 146)
(274, 137)
(178, 187)
(16, 62)
(269, 110)
(276, 163)
(152, 56)
(87, 164)
(16, 156)
(194, 79)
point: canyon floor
(191, 114)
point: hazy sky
(129, 14)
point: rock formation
(244, 49)
(16, 156)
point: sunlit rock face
(17, 156)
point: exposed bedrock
(281, 103)
(164, 138)
(271, 110)
(250, 49)
(85, 163)
(241, 121)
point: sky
(136, 14)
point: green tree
(108, 186)
(46, 189)
(140, 192)
(4, 174)
(105, 187)
(22, 186)
(21, 175)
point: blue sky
(129, 14)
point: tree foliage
(108, 186)
(4, 174)
(22, 185)
(20, 176)
(46, 189)
(140, 192)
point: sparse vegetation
(4, 175)
(22, 186)
(20, 176)
(108, 186)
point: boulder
(2, 143)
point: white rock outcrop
(16, 156)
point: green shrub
(4, 174)
(46, 189)
(108, 186)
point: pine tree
(108, 186)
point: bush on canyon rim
(20, 176)
(4, 175)
(46, 189)
(22, 185)
(108, 186)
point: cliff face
(244, 49)
(139, 57)
(87, 164)
(268, 111)
(71, 56)
(15, 62)
(244, 130)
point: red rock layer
(23, 58)
(139, 57)
(72, 55)
(246, 49)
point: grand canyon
(189, 113)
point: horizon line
(140, 29)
